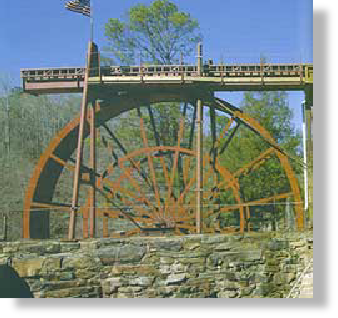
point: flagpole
(92, 21)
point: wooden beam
(79, 156)
(199, 166)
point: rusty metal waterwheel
(147, 185)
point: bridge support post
(199, 166)
(79, 156)
(92, 166)
(308, 148)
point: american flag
(80, 6)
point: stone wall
(220, 266)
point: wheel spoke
(227, 142)
(51, 205)
(152, 120)
(150, 164)
(63, 163)
(254, 163)
(192, 128)
(177, 153)
(257, 202)
(124, 151)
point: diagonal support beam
(79, 157)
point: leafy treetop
(160, 32)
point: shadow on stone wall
(12, 285)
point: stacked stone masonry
(195, 266)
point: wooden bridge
(221, 77)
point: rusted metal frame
(186, 165)
(224, 132)
(109, 147)
(254, 162)
(124, 201)
(79, 156)
(126, 234)
(116, 140)
(176, 157)
(187, 188)
(299, 211)
(213, 150)
(257, 202)
(150, 163)
(45, 157)
(117, 187)
(167, 180)
(126, 172)
(155, 149)
(227, 142)
(85, 170)
(131, 179)
(180, 164)
(230, 182)
(152, 121)
(62, 162)
(192, 128)
(84, 210)
(50, 205)
(254, 126)
(109, 195)
(105, 225)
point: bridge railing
(234, 70)
(52, 73)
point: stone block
(166, 260)
(224, 247)
(28, 267)
(79, 261)
(110, 285)
(165, 268)
(194, 260)
(129, 289)
(77, 292)
(191, 245)
(227, 294)
(121, 254)
(176, 278)
(179, 267)
(69, 246)
(144, 281)
(166, 244)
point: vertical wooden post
(199, 166)
(200, 59)
(79, 155)
(92, 165)
(308, 145)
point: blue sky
(41, 33)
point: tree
(160, 32)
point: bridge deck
(240, 77)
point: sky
(42, 33)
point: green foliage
(27, 125)
(160, 31)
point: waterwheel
(145, 178)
